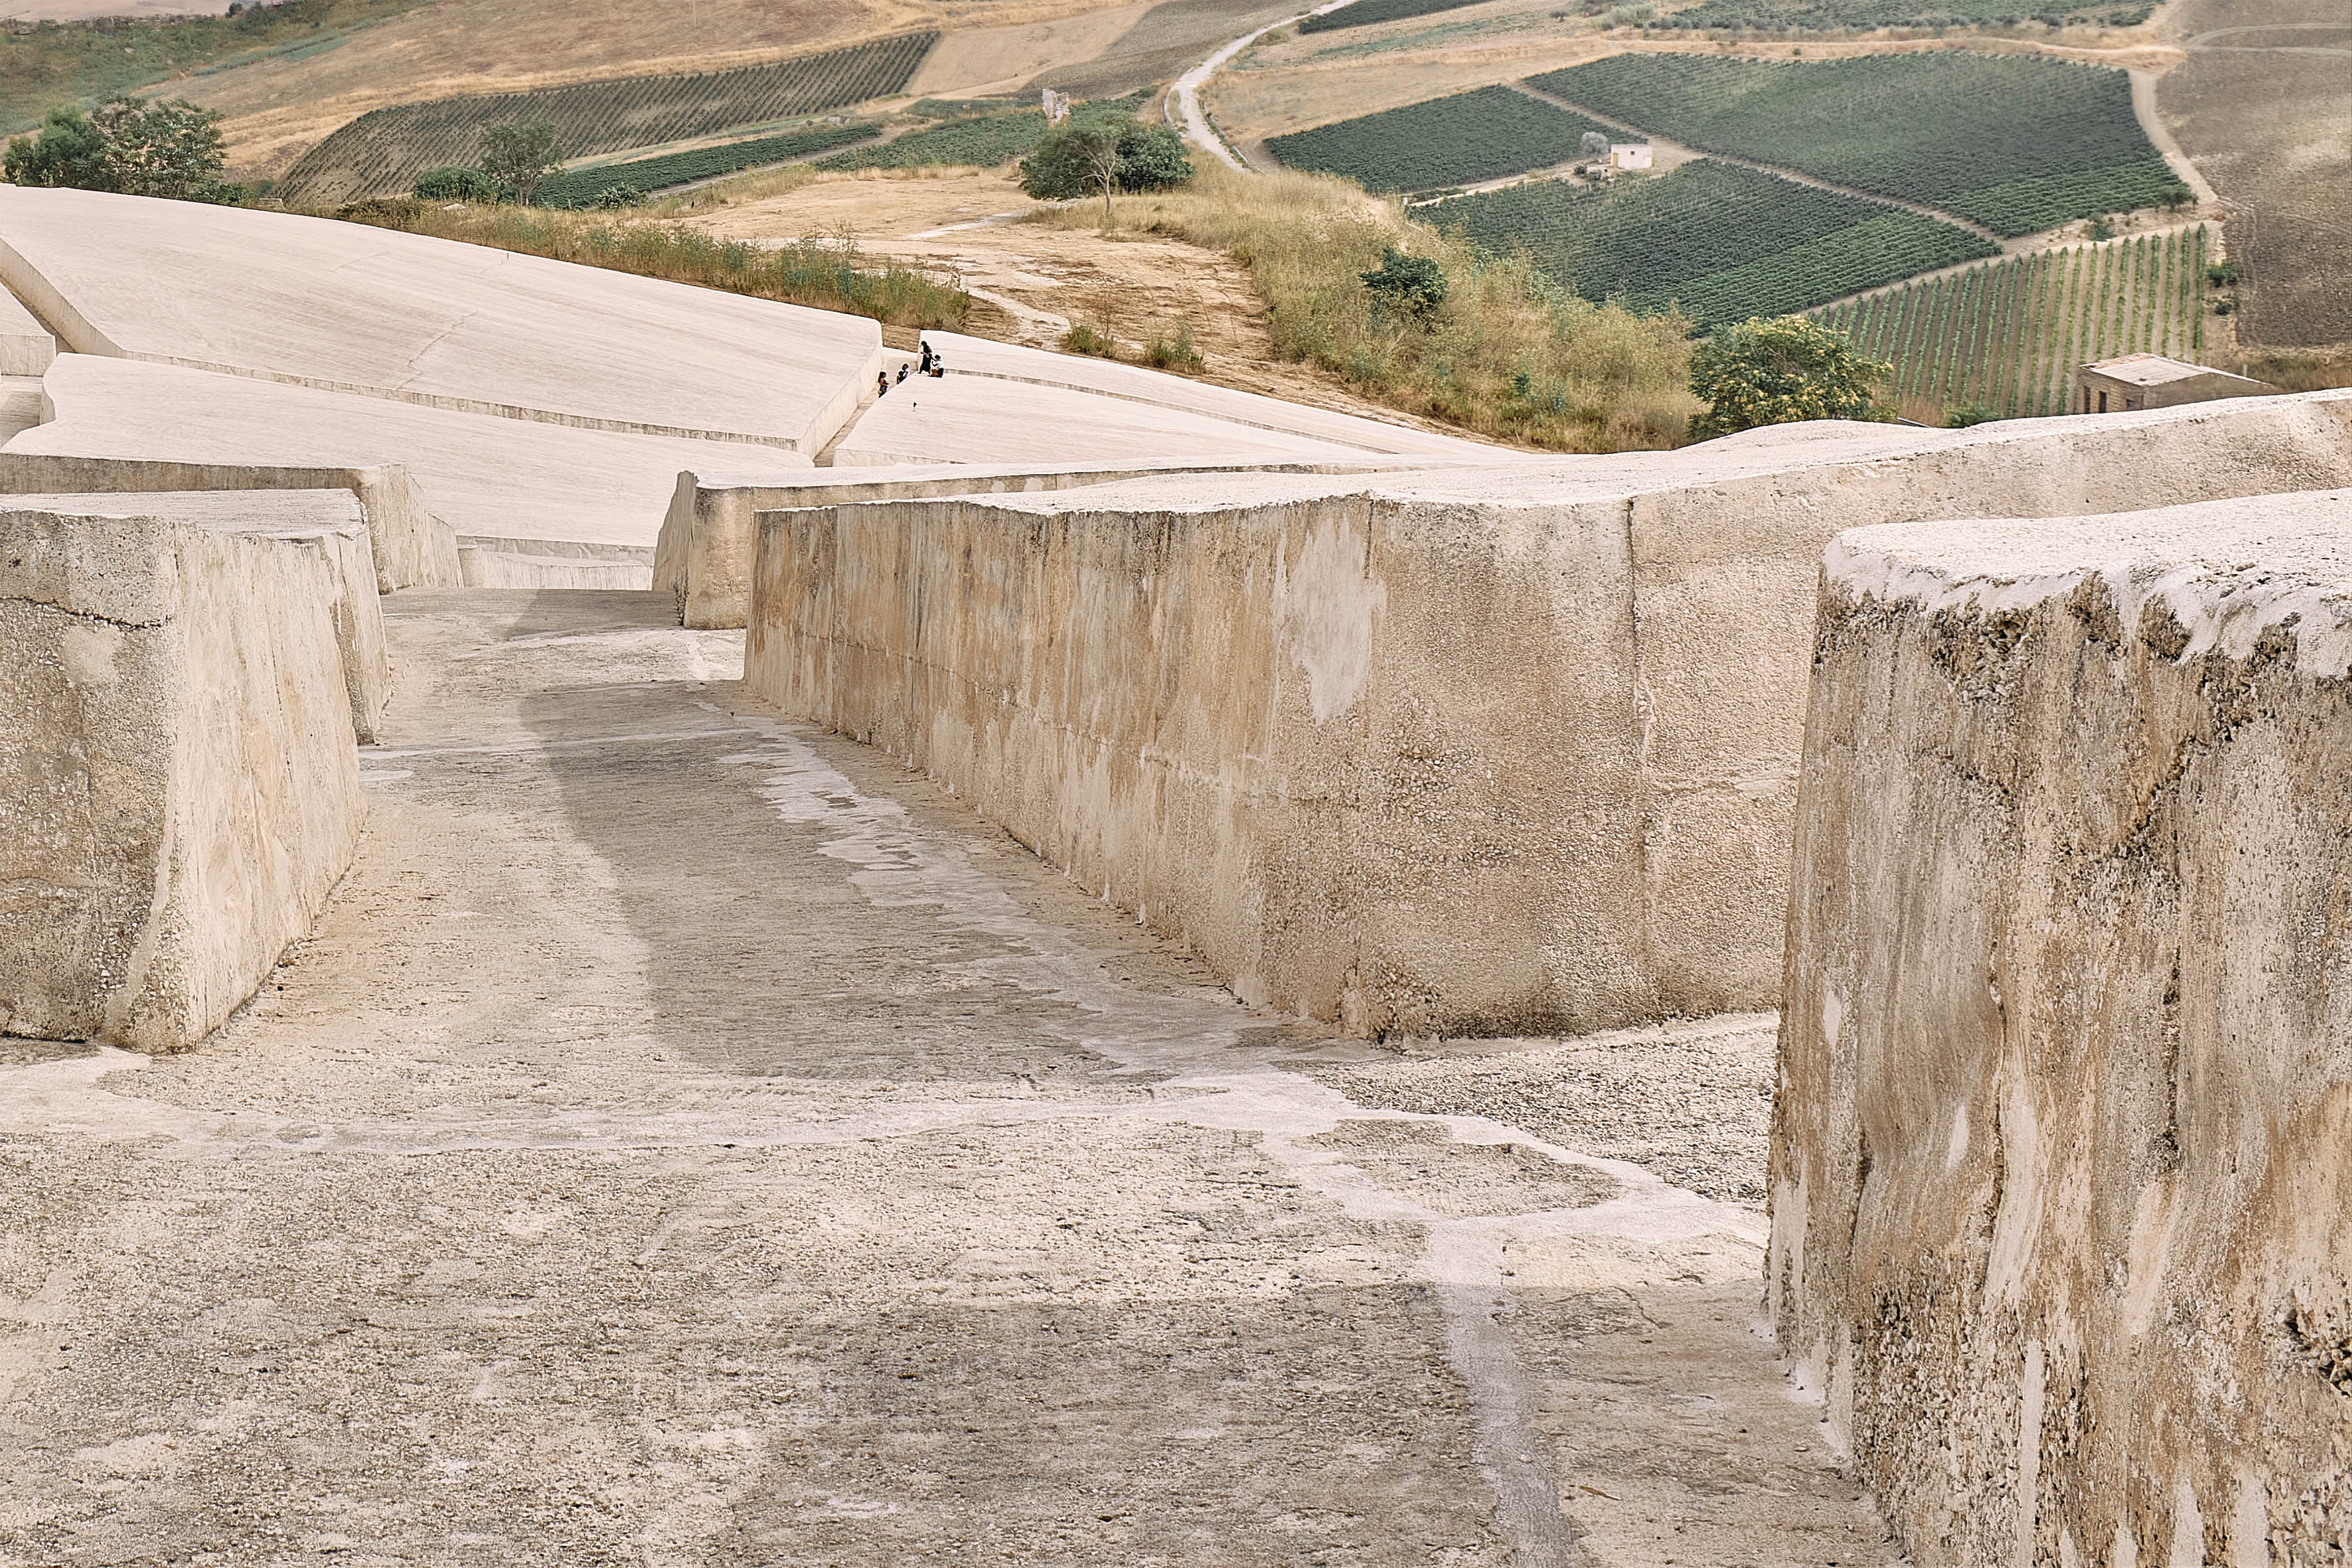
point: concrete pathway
(691, 1140)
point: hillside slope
(277, 109)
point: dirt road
(689, 1139)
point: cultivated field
(1809, 17)
(1365, 12)
(1455, 140)
(1723, 242)
(976, 140)
(575, 187)
(2008, 336)
(279, 108)
(2016, 142)
(2264, 105)
(380, 152)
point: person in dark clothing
(881, 383)
(902, 373)
(927, 359)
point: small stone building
(2152, 380)
(1629, 155)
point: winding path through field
(1192, 119)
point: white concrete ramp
(507, 479)
(345, 306)
(1003, 403)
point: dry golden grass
(1508, 354)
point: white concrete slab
(481, 475)
(981, 419)
(1010, 361)
(344, 307)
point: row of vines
(382, 152)
(580, 187)
(1363, 13)
(2016, 142)
(1456, 141)
(1721, 241)
(2009, 336)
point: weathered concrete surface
(1013, 367)
(2059, 1173)
(410, 547)
(330, 521)
(488, 562)
(347, 308)
(704, 555)
(982, 419)
(693, 1140)
(26, 346)
(178, 786)
(501, 477)
(1475, 750)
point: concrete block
(26, 346)
(179, 791)
(328, 522)
(1469, 750)
(704, 554)
(2061, 1211)
(410, 548)
(540, 563)
(343, 307)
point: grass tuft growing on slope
(828, 272)
(1508, 354)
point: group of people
(930, 364)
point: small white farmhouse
(1629, 155)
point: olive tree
(128, 145)
(1778, 372)
(521, 157)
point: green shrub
(1081, 339)
(1406, 285)
(127, 145)
(1778, 372)
(1968, 415)
(455, 182)
(1073, 159)
(1178, 354)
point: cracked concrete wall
(2061, 1205)
(1543, 778)
(179, 790)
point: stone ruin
(2007, 763)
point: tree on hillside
(520, 157)
(1778, 372)
(128, 145)
(1087, 156)
(454, 183)
(1593, 145)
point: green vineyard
(2015, 142)
(1455, 140)
(2008, 336)
(1363, 13)
(1863, 16)
(1723, 242)
(382, 151)
(981, 141)
(578, 187)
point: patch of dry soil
(1032, 282)
(2262, 105)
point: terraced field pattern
(1787, 16)
(577, 187)
(1724, 243)
(381, 152)
(2008, 336)
(1457, 141)
(2016, 142)
(978, 141)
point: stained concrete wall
(179, 790)
(1473, 750)
(2061, 1203)
(704, 554)
(410, 547)
(26, 346)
